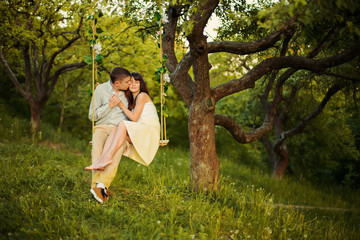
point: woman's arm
(140, 102)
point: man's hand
(114, 100)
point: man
(107, 115)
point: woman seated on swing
(142, 131)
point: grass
(44, 194)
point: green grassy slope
(44, 194)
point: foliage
(39, 33)
(327, 147)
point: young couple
(126, 124)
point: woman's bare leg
(118, 140)
(128, 138)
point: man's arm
(101, 108)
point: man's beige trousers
(101, 132)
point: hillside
(45, 195)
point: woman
(142, 131)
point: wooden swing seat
(163, 142)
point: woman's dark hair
(119, 74)
(143, 88)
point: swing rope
(94, 69)
(163, 140)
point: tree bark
(35, 116)
(279, 159)
(63, 106)
(281, 163)
(204, 163)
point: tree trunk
(204, 163)
(281, 162)
(279, 158)
(63, 106)
(35, 117)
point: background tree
(38, 33)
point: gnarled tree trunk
(204, 168)
(204, 161)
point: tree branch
(65, 68)
(252, 47)
(265, 95)
(183, 67)
(201, 16)
(339, 75)
(68, 44)
(278, 124)
(43, 63)
(238, 133)
(275, 63)
(27, 71)
(11, 75)
(183, 84)
(243, 137)
(331, 91)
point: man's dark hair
(119, 74)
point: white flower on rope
(166, 78)
(97, 48)
(164, 18)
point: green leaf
(89, 92)
(88, 60)
(100, 14)
(165, 57)
(157, 76)
(161, 70)
(165, 111)
(166, 88)
(157, 16)
(99, 30)
(88, 18)
(99, 58)
(92, 42)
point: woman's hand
(121, 104)
(140, 102)
(114, 100)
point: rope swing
(163, 140)
(160, 77)
(94, 73)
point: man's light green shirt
(104, 113)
